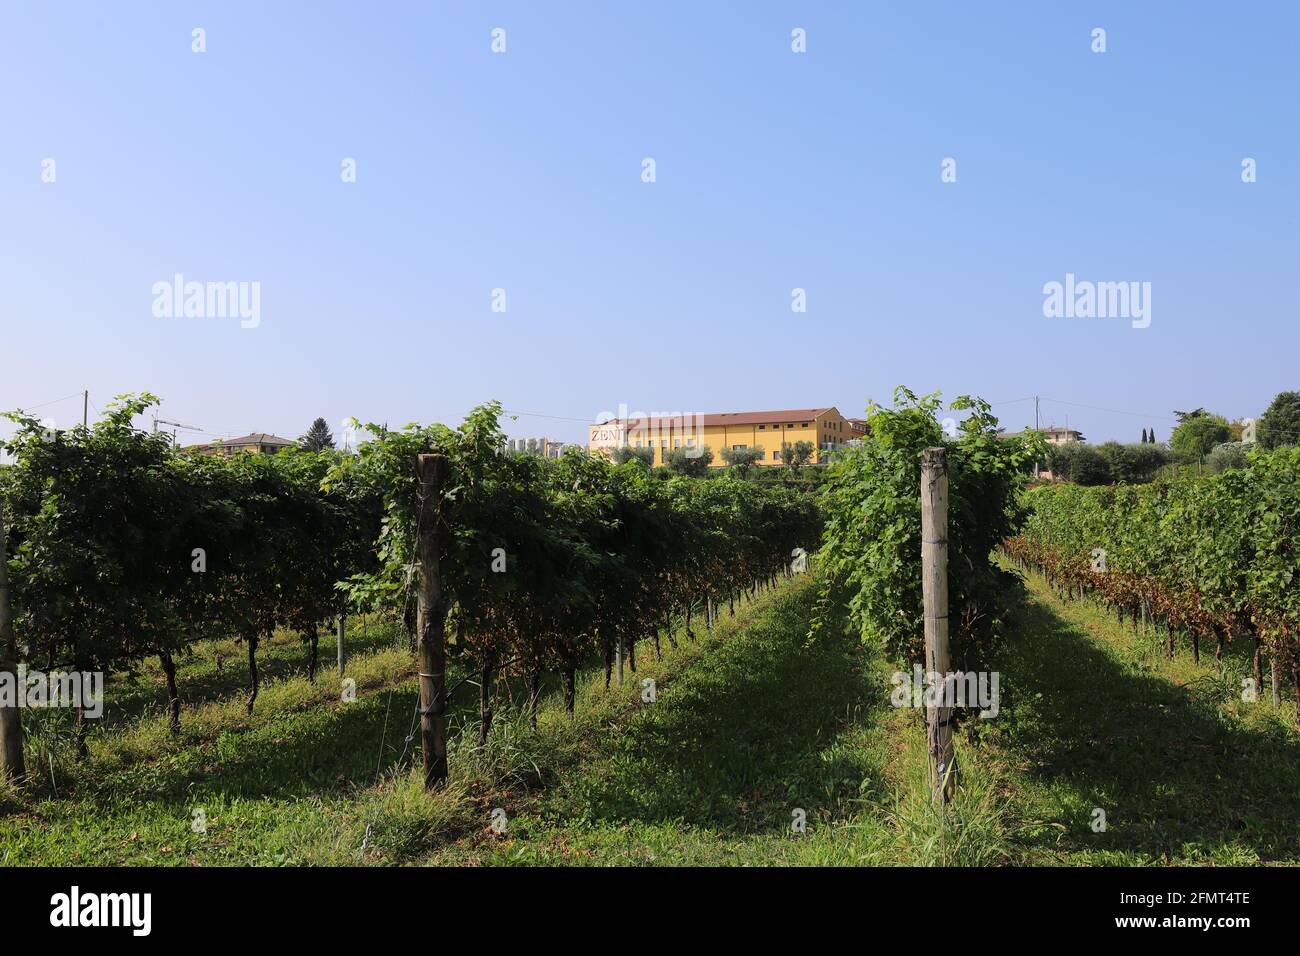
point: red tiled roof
(256, 438)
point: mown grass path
(1096, 717)
(754, 726)
(713, 770)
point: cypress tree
(318, 437)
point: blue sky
(522, 171)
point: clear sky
(523, 171)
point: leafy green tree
(626, 453)
(1130, 464)
(680, 461)
(318, 437)
(1197, 433)
(795, 456)
(1280, 423)
(1144, 436)
(1079, 462)
(1227, 456)
(741, 460)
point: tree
(1144, 436)
(626, 453)
(1197, 433)
(1280, 423)
(1227, 456)
(680, 461)
(797, 455)
(1077, 462)
(1151, 435)
(1131, 464)
(318, 437)
(740, 460)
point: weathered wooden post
(431, 638)
(934, 591)
(11, 725)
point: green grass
(1095, 716)
(753, 721)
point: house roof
(1053, 430)
(256, 438)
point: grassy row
(752, 723)
(1095, 717)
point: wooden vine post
(430, 628)
(11, 726)
(934, 591)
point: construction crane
(175, 426)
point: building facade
(1055, 435)
(258, 443)
(824, 428)
(545, 447)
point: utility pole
(1037, 427)
(85, 409)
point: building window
(804, 425)
(739, 447)
(760, 427)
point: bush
(873, 525)
(1227, 456)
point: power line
(54, 401)
(563, 418)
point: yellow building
(825, 428)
